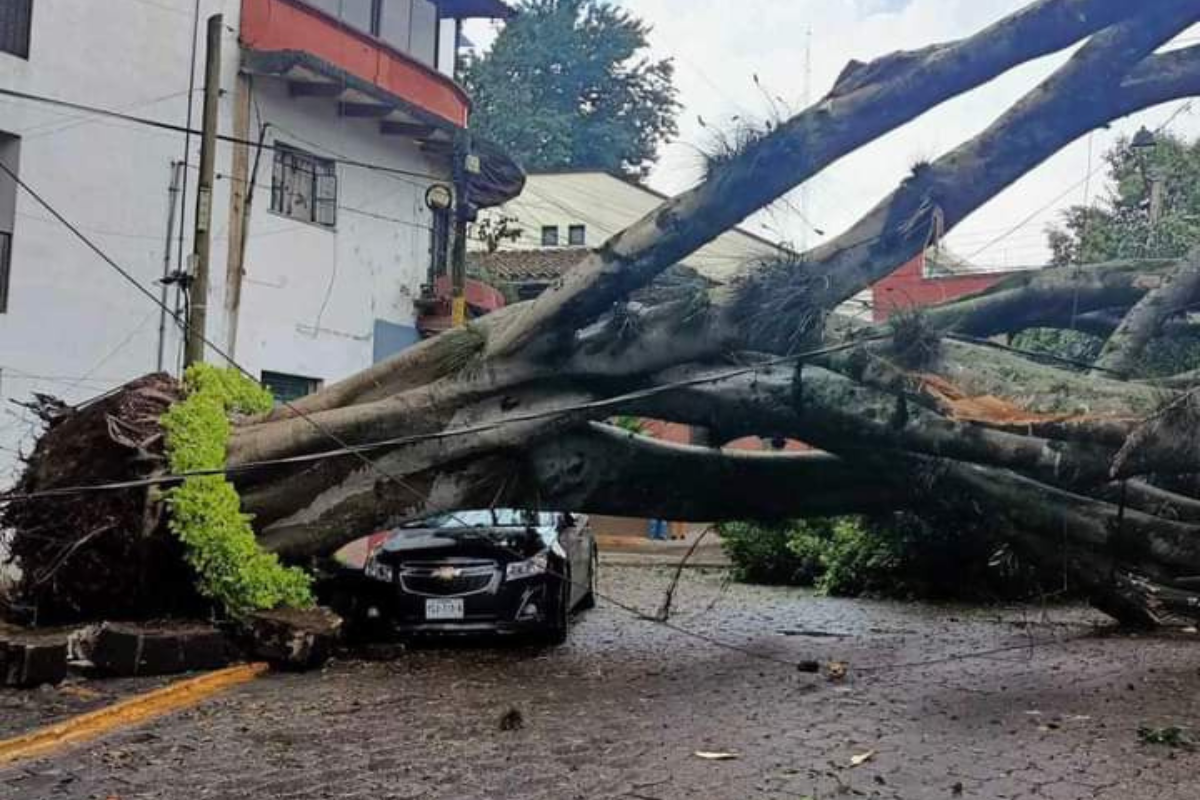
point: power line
(1081, 182)
(188, 131)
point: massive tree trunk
(511, 409)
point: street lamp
(1143, 141)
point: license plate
(444, 609)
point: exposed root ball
(91, 555)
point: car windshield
(486, 518)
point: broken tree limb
(1125, 346)
(1054, 297)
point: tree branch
(866, 103)
(1094, 87)
(1127, 343)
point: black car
(497, 570)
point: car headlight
(377, 571)
(527, 569)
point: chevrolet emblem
(446, 573)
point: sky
(796, 48)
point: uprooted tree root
(97, 555)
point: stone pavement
(630, 551)
(1051, 711)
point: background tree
(568, 84)
(1120, 226)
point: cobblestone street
(1046, 707)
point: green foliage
(568, 84)
(765, 552)
(1119, 225)
(1073, 345)
(858, 560)
(898, 555)
(631, 424)
(205, 511)
(1170, 736)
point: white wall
(607, 205)
(311, 295)
(71, 320)
(74, 328)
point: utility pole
(465, 165)
(177, 170)
(193, 351)
(1154, 178)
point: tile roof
(525, 266)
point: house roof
(526, 266)
(629, 180)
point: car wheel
(556, 625)
(588, 601)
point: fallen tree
(921, 410)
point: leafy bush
(764, 553)
(898, 555)
(205, 511)
(856, 560)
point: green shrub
(896, 555)
(763, 552)
(205, 511)
(857, 560)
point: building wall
(909, 287)
(73, 327)
(312, 298)
(606, 205)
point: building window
(549, 236)
(287, 388)
(410, 26)
(304, 187)
(10, 147)
(576, 235)
(16, 17)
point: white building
(311, 281)
(584, 208)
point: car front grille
(449, 579)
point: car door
(569, 539)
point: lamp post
(1145, 142)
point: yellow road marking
(125, 713)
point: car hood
(502, 543)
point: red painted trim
(271, 25)
(481, 298)
(479, 294)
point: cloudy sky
(719, 47)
